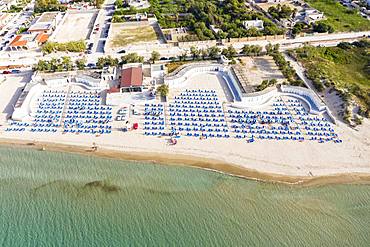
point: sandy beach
(307, 162)
(290, 162)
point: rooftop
(44, 22)
(23, 39)
(132, 77)
(48, 17)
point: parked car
(91, 65)
(5, 72)
(15, 71)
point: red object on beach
(135, 126)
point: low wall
(246, 39)
(25, 110)
(257, 99)
(315, 103)
(233, 85)
(198, 44)
(179, 77)
(183, 73)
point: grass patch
(340, 17)
(171, 67)
(129, 35)
(347, 70)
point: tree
(194, 52)
(322, 27)
(106, 61)
(80, 63)
(48, 47)
(281, 11)
(132, 58)
(257, 50)
(231, 51)
(53, 64)
(66, 63)
(298, 27)
(214, 52)
(253, 49)
(269, 48)
(48, 5)
(155, 56)
(72, 46)
(41, 66)
(182, 56)
(119, 4)
(204, 53)
(163, 90)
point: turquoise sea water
(56, 199)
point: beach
(290, 162)
(273, 160)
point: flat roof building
(46, 23)
(253, 24)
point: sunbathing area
(200, 108)
(198, 113)
(200, 117)
(285, 119)
(67, 112)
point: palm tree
(163, 90)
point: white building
(254, 23)
(28, 41)
(276, 1)
(46, 23)
(5, 4)
(139, 4)
(312, 15)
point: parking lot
(76, 26)
(9, 31)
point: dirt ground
(75, 27)
(122, 35)
(256, 69)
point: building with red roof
(131, 79)
(28, 41)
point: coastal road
(10, 58)
(286, 43)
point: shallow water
(56, 199)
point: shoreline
(208, 164)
